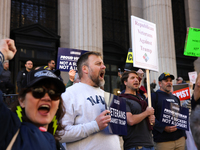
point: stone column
(160, 13)
(64, 29)
(135, 8)
(86, 25)
(63, 22)
(5, 9)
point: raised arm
(8, 49)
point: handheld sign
(182, 91)
(174, 115)
(192, 76)
(192, 42)
(144, 46)
(67, 58)
(117, 107)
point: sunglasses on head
(39, 92)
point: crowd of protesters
(51, 115)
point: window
(27, 12)
(115, 40)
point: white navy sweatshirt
(83, 104)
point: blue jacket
(159, 134)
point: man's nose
(103, 67)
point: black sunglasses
(39, 92)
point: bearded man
(86, 119)
(166, 137)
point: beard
(95, 79)
(132, 88)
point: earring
(19, 114)
(54, 124)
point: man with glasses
(51, 65)
(21, 75)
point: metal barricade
(10, 98)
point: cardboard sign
(117, 107)
(67, 58)
(192, 42)
(144, 44)
(182, 91)
(175, 115)
(192, 76)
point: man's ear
(85, 69)
(22, 103)
(125, 82)
(159, 83)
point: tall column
(63, 22)
(5, 9)
(64, 29)
(160, 13)
(86, 25)
(135, 8)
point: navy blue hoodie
(159, 134)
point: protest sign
(182, 91)
(144, 47)
(192, 76)
(192, 42)
(174, 115)
(67, 58)
(144, 44)
(117, 107)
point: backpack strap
(12, 141)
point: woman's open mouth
(44, 109)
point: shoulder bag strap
(12, 141)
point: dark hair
(83, 61)
(59, 114)
(49, 61)
(28, 60)
(125, 76)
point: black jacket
(21, 75)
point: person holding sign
(86, 119)
(166, 137)
(139, 116)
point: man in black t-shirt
(139, 116)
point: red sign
(183, 94)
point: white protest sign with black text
(144, 44)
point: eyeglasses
(39, 92)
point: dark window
(28, 12)
(115, 40)
(115, 22)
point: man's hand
(103, 119)
(170, 129)
(152, 119)
(149, 111)
(72, 75)
(140, 73)
(8, 49)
